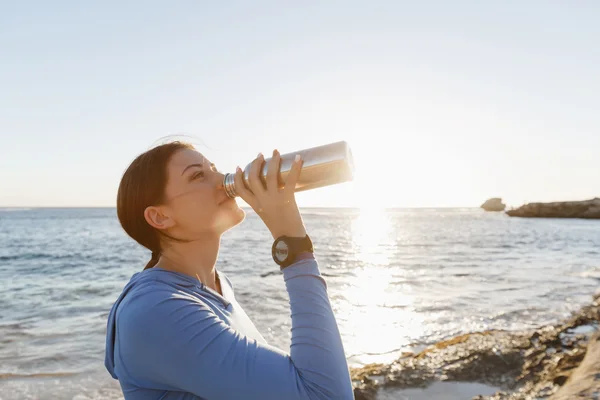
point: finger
(293, 176)
(241, 189)
(256, 185)
(272, 172)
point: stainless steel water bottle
(323, 166)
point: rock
(523, 365)
(584, 383)
(494, 204)
(566, 209)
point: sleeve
(181, 343)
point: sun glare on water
(376, 313)
(371, 236)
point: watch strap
(305, 255)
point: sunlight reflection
(371, 235)
(378, 318)
(377, 314)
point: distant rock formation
(566, 209)
(494, 204)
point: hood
(137, 280)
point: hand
(276, 207)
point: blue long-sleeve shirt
(171, 337)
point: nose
(220, 177)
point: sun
(371, 188)
(368, 191)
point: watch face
(281, 251)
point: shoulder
(155, 303)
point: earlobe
(156, 218)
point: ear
(157, 218)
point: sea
(398, 279)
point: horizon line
(243, 207)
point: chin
(232, 217)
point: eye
(197, 175)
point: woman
(176, 331)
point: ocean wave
(35, 256)
(10, 375)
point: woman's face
(195, 199)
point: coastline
(508, 365)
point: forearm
(316, 346)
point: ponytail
(154, 260)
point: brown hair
(142, 185)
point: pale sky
(443, 103)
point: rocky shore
(566, 209)
(524, 365)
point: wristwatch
(285, 249)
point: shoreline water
(399, 281)
(490, 365)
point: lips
(224, 200)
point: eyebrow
(190, 166)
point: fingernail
(259, 155)
(297, 158)
(238, 169)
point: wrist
(291, 235)
(298, 232)
(288, 224)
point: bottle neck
(229, 185)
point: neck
(196, 259)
